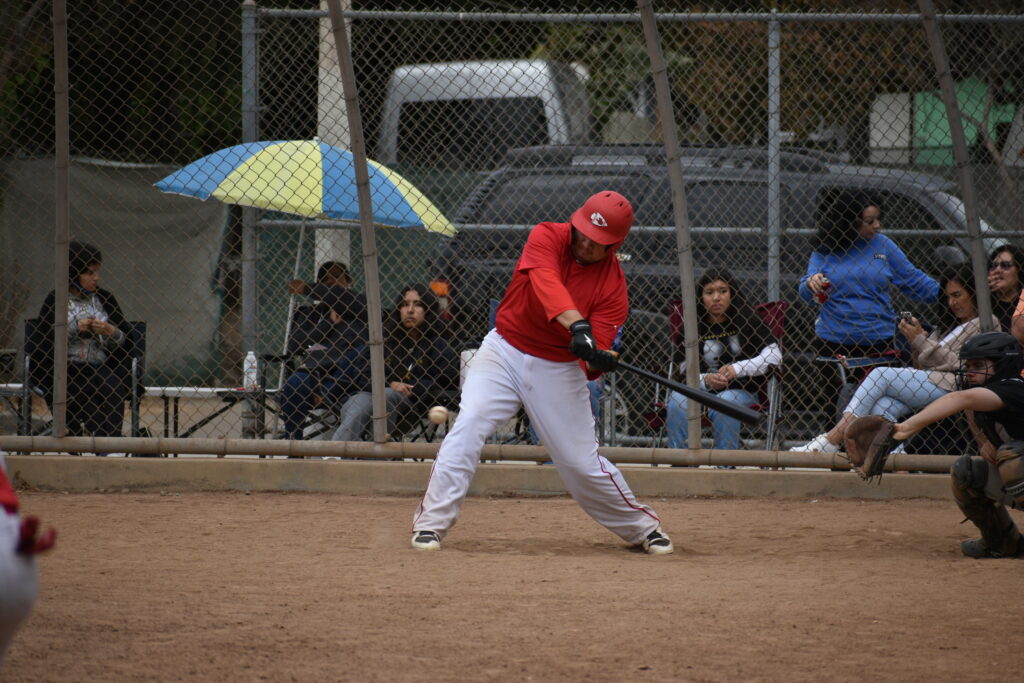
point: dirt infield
(310, 587)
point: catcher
(989, 383)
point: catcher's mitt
(868, 443)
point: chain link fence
(797, 131)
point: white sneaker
(657, 543)
(820, 443)
(426, 540)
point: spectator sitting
(850, 274)
(329, 343)
(1004, 283)
(420, 366)
(896, 392)
(734, 348)
(96, 388)
(307, 320)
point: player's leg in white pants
(490, 397)
(19, 582)
(556, 398)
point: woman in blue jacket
(851, 273)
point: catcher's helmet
(999, 347)
(605, 218)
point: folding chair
(773, 313)
(319, 422)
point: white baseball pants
(499, 379)
(19, 581)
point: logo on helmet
(598, 220)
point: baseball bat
(741, 413)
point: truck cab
(466, 115)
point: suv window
(527, 199)
(727, 204)
(458, 134)
(903, 213)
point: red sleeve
(8, 500)
(546, 247)
(553, 295)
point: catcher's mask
(999, 347)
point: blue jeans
(893, 393)
(725, 430)
(297, 394)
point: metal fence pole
(250, 216)
(63, 218)
(679, 213)
(774, 160)
(979, 259)
(373, 306)
(250, 133)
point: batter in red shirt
(19, 576)
(565, 303)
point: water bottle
(250, 372)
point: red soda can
(822, 296)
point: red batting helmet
(605, 218)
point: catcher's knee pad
(970, 473)
(1010, 463)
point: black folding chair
(131, 366)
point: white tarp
(160, 253)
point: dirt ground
(310, 587)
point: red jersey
(598, 292)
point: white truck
(465, 115)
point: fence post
(250, 216)
(684, 243)
(370, 265)
(62, 140)
(961, 161)
(774, 159)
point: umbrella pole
(291, 312)
(373, 306)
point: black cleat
(979, 550)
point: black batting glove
(582, 345)
(604, 361)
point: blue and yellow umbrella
(307, 178)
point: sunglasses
(1001, 265)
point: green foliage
(615, 56)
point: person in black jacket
(327, 336)
(420, 367)
(99, 377)
(307, 322)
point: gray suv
(727, 195)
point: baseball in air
(438, 414)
